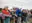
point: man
(18, 13)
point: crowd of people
(15, 15)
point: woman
(6, 14)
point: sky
(26, 4)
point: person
(28, 17)
(1, 21)
(13, 15)
(18, 13)
(6, 14)
(24, 15)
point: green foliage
(0, 11)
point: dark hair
(0, 9)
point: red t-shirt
(5, 12)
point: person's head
(6, 8)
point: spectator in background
(29, 16)
(1, 21)
(6, 14)
(18, 13)
(13, 14)
(24, 15)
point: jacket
(18, 12)
(5, 12)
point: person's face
(6, 8)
